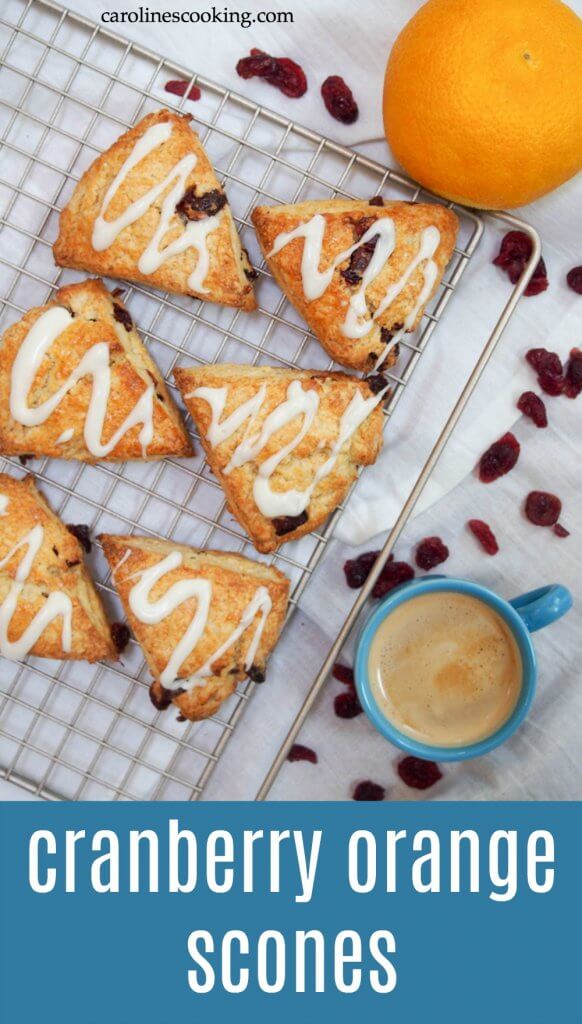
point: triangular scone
(151, 209)
(48, 605)
(285, 444)
(205, 619)
(360, 273)
(77, 383)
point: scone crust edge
(201, 701)
(362, 449)
(226, 281)
(133, 364)
(91, 633)
(325, 314)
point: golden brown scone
(56, 587)
(231, 582)
(229, 275)
(72, 430)
(334, 392)
(346, 222)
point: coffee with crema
(445, 669)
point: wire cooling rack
(68, 89)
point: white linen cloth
(543, 760)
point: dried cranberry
(376, 382)
(286, 524)
(358, 569)
(361, 225)
(72, 564)
(376, 201)
(548, 367)
(515, 245)
(339, 100)
(573, 385)
(120, 635)
(538, 281)
(368, 791)
(560, 530)
(23, 459)
(484, 534)
(343, 674)
(499, 459)
(392, 575)
(178, 88)
(430, 552)
(541, 359)
(542, 508)
(347, 705)
(574, 279)
(122, 316)
(256, 674)
(513, 255)
(359, 261)
(532, 405)
(281, 72)
(419, 774)
(160, 697)
(81, 532)
(193, 207)
(550, 383)
(300, 753)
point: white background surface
(544, 760)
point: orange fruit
(483, 99)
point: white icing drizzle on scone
(57, 605)
(152, 612)
(298, 403)
(194, 234)
(358, 323)
(121, 562)
(95, 364)
(67, 435)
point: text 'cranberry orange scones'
(205, 619)
(77, 383)
(361, 273)
(286, 445)
(48, 605)
(151, 209)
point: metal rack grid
(68, 88)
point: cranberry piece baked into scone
(360, 273)
(286, 445)
(151, 209)
(77, 383)
(205, 619)
(48, 604)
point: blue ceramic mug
(523, 615)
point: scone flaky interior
(48, 605)
(285, 445)
(205, 619)
(359, 273)
(76, 382)
(151, 209)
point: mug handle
(539, 608)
